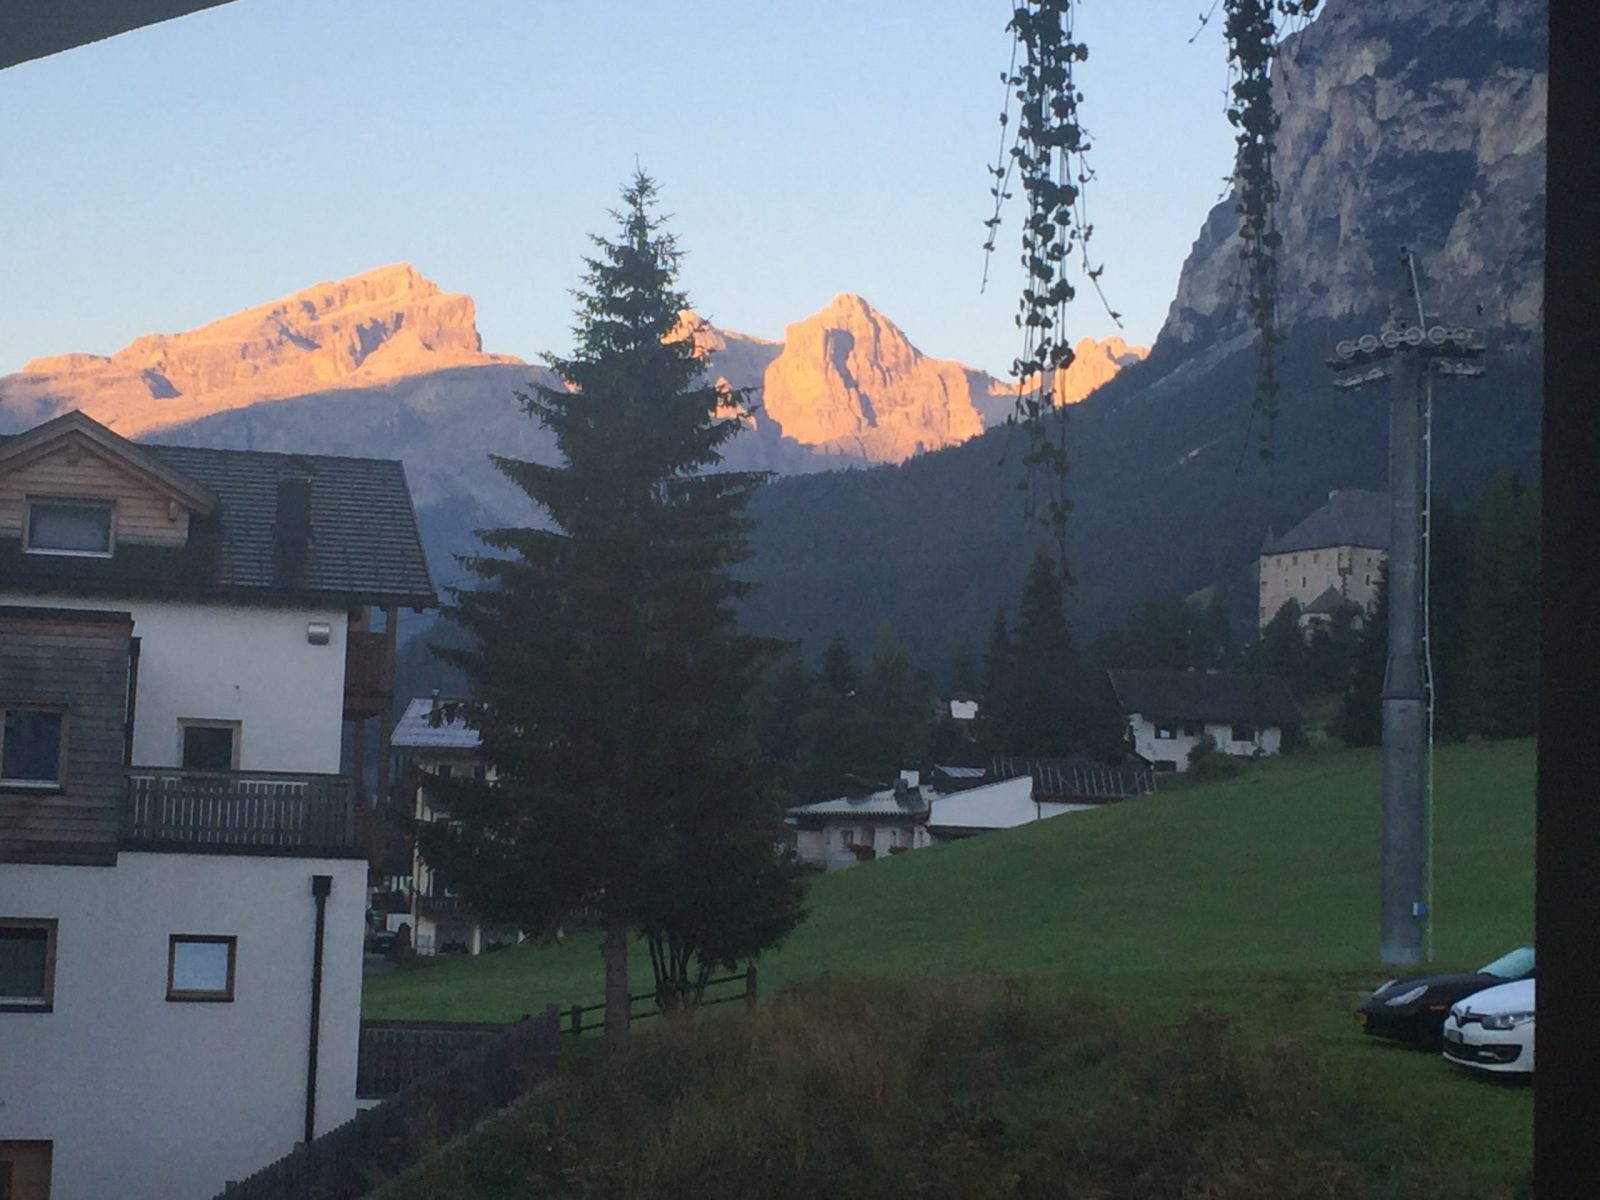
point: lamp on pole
(1405, 354)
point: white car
(1492, 1030)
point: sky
(173, 175)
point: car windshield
(1512, 966)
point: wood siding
(81, 665)
(142, 516)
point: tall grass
(958, 1085)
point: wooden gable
(75, 458)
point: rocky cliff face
(1408, 122)
(369, 329)
(850, 381)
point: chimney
(435, 707)
(909, 778)
(292, 527)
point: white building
(956, 802)
(428, 746)
(1170, 712)
(182, 634)
(1335, 556)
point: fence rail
(574, 1015)
(351, 1160)
(258, 810)
(393, 1054)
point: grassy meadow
(1253, 899)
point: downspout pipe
(321, 885)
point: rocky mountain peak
(378, 325)
(1407, 123)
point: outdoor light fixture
(318, 633)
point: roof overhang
(31, 29)
(74, 426)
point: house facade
(1335, 556)
(1169, 713)
(183, 635)
(429, 746)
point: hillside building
(183, 633)
(1170, 712)
(1333, 557)
(430, 746)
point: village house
(183, 634)
(429, 745)
(1170, 712)
(955, 802)
(1333, 557)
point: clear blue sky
(181, 172)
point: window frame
(1254, 732)
(1166, 733)
(235, 727)
(47, 1002)
(202, 995)
(110, 507)
(35, 785)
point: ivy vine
(1045, 150)
(1253, 29)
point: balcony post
(386, 717)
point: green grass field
(1255, 895)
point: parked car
(1413, 1010)
(1492, 1030)
(380, 941)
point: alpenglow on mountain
(846, 385)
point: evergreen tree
(994, 710)
(608, 678)
(898, 706)
(1050, 704)
(1360, 720)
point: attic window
(69, 527)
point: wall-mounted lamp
(318, 633)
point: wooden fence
(394, 1054)
(574, 1016)
(351, 1160)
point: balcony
(368, 675)
(444, 908)
(237, 812)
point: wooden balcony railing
(238, 812)
(446, 907)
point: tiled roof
(415, 731)
(1206, 696)
(364, 540)
(363, 546)
(1349, 518)
(886, 803)
(1078, 778)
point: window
(480, 772)
(1166, 732)
(25, 1170)
(200, 967)
(1193, 728)
(30, 746)
(1243, 733)
(847, 837)
(445, 770)
(1315, 559)
(27, 965)
(69, 527)
(894, 837)
(209, 745)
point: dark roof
(1349, 518)
(363, 547)
(1206, 696)
(1078, 778)
(1328, 602)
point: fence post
(750, 986)
(577, 1019)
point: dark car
(380, 941)
(1412, 1010)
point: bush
(961, 1086)
(1206, 762)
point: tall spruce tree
(608, 678)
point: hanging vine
(1252, 29)
(1048, 155)
(1045, 149)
